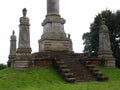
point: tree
(91, 39)
(2, 66)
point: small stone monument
(54, 37)
(12, 53)
(105, 52)
(23, 52)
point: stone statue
(13, 44)
(24, 19)
(24, 36)
(104, 40)
(105, 52)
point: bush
(2, 66)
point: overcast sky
(78, 14)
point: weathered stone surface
(22, 61)
(55, 45)
(13, 44)
(12, 53)
(105, 52)
(24, 34)
(52, 6)
(104, 40)
(54, 37)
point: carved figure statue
(24, 19)
(24, 38)
(104, 40)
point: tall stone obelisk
(105, 52)
(24, 34)
(54, 37)
(12, 53)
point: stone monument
(12, 53)
(24, 34)
(105, 52)
(54, 37)
(55, 49)
(23, 52)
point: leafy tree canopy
(91, 39)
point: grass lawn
(48, 79)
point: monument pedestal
(24, 50)
(10, 62)
(22, 61)
(106, 58)
(54, 37)
(55, 45)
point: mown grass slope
(46, 78)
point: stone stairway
(63, 69)
(94, 71)
(72, 68)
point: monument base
(24, 50)
(55, 45)
(22, 61)
(107, 59)
(10, 61)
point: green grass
(48, 79)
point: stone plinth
(55, 45)
(22, 61)
(106, 58)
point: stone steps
(98, 75)
(64, 71)
(81, 70)
(73, 67)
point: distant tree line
(91, 39)
(3, 66)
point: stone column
(24, 34)
(54, 37)
(105, 52)
(52, 7)
(12, 53)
